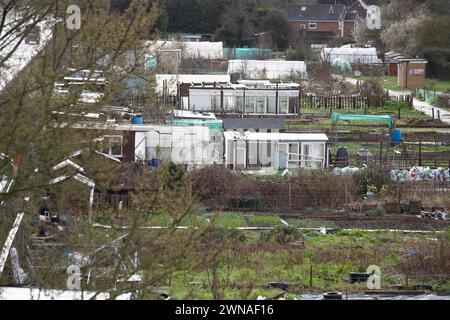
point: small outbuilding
(262, 150)
(411, 73)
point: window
(112, 146)
(312, 25)
(240, 104)
(215, 102)
(283, 105)
(271, 105)
(260, 105)
(228, 102)
(293, 104)
(249, 104)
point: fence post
(420, 153)
(381, 152)
(365, 104)
(345, 195)
(290, 195)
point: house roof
(316, 12)
(355, 11)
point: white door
(294, 155)
(306, 155)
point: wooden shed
(411, 73)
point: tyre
(332, 296)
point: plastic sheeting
(268, 69)
(212, 124)
(199, 50)
(346, 170)
(421, 174)
(174, 79)
(362, 117)
(352, 55)
(246, 53)
(341, 65)
(24, 53)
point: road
(422, 106)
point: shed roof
(253, 123)
(276, 136)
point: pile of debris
(421, 174)
(434, 215)
(345, 170)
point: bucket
(137, 120)
(396, 136)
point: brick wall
(320, 26)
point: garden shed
(411, 73)
(279, 151)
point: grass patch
(194, 220)
(230, 220)
(158, 220)
(264, 221)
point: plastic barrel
(137, 120)
(396, 136)
(155, 163)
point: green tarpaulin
(212, 124)
(342, 65)
(246, 53)
(363, 117)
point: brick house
(324, 20)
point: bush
(264, 221)
(282, 235)
(376, 212)
(370, 176)
(220, 234)
(246, 202)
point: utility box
(411, 73)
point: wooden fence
(342, 102)
(146, 100)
